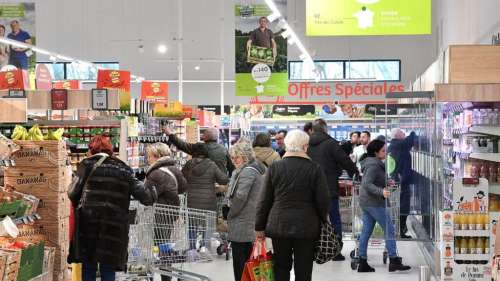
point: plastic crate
(10, 208)
(31, 264)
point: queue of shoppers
(283, 198)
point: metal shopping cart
(224, 247)
(378, 236)
(164, 238)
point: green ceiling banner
(261, 51)
(368, 17)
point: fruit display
(35, 134)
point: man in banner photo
(17, 21)
(261, 53)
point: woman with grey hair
(244, 187)
(294, 202)
(164, 175)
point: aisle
(221, 270)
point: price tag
(59, 99)
(99, 99)
(17, 93)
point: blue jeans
(380, 215)
(335, 218)
(89, 272)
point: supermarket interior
(249, 140)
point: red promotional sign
(113, 79)
(59, 99)
(12, 79)
(156, 91)
(43, 77)
(67, 84)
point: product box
(447, 268)
(472, 272)
(470, 198)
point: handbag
(328, 245)
(259, 266)
(74, 250)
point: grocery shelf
(473, 257)
(494, 188)
(149, 138)
(472, 233)
(493, 157)
(485, 129)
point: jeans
(335, 218)
(241, 253)
(299, 252)
(405, 201)
(89, 272)
(380, 215)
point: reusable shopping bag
(260, 265)
(328, 245)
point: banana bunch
(19, 133)
(35, 134)
(54, 135)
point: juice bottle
(480, 246)
(464, 222)
(487, 245)
(471, 245)
(471, 220)
(463, 246)
(458, 241)
(486, 221)
(479, 221)
(457, 221)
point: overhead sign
(367, 17)
(215, 108)
(43, 77)
(154, 91)
(59, 99)
(294, 110)
(12, 79)
(116, 79)
(99, 99)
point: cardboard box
(40, 153)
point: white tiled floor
(221, 270)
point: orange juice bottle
(471, 221)
(464, 222)
(486, 221)
(478, 218)
(471, 245)
(458, 241)
(480, 246)
(487, 245)
(463, 246)
(457, 221)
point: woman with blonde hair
(244, 187)
(164, 175)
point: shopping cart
(164, 238)
(377, 239)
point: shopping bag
(260, 265)
(179, 235)
(328, 246)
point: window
(358, 70)
(70, 71)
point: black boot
(396, 264)
(364, 266)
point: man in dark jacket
(399, 151)
(325, 150)
(216, 152)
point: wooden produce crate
(31, 264)
(40, 154)
(13, 258)
(48, 262)
(3, 266)
(39, 181)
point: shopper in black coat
(326, 151)
(102, 211)
(201, 174)
(294, 201)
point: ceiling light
(162, 49)
(197, 68)
(141, 49)
(61, 57)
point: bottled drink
(483, 172)
(474, 170)
(458, 242)
(498, 173)
(492, 174)
(487, 245)
(478, 218)
(480, 246)
(463, 246)
(471, 245)
(464, 222)
(457, 221)
(486, 221)
(471, 220)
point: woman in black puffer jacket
(294, 201)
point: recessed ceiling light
(162, 49)
(197, 68)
